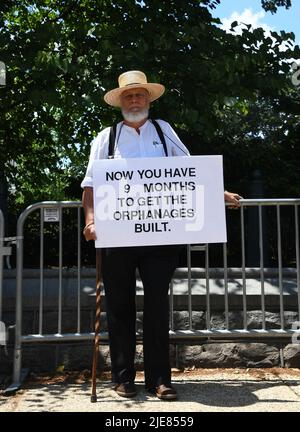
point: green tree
(62, 56)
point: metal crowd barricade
(244, 332)
(191, 333)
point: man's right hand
(89, 231)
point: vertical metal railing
(279, 252)
(262, 276)
(244, 269)
(41, 305)
(78, 270)
(208, 314)
(226, 301)
(190, 307)
(60, 258)
(19, 286)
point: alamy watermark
(296, 334)
(296, 74)
(140, 203)
(2, 74)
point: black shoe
(126, 389)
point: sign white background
(159, 201)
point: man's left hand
(233, 199)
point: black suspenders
(161, 135)
(112, 139)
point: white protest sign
(159, 201)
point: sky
(251, 12)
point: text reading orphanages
(160, 195)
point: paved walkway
(200, 390)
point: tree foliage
(226, 93)
(273, 5)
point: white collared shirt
(130, 144)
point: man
(137, 136)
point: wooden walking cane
(97, 324)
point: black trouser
(156, 266)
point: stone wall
(42, 357)
(45, 357)
(48, 357)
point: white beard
(134, 117)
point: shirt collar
(141, 128)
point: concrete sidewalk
(199, 390)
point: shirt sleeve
(174, 144)
(99, 150)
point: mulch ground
(84, 376)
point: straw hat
(132, 80)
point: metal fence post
(19, 285)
